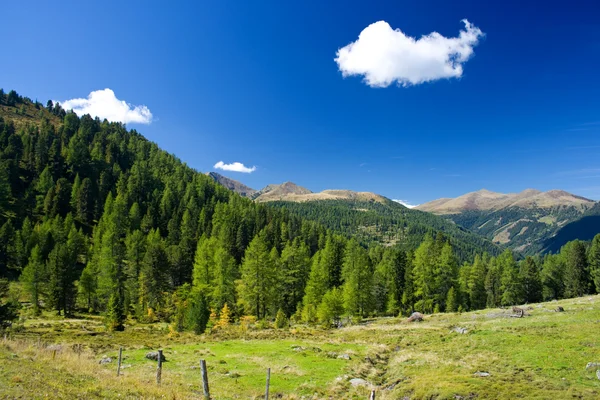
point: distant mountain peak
(233, 185)
(483, 200)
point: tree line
(95, 218)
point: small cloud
(405, 203)
(235, 167)
(384, 55)
(362, 164)
(105, 105)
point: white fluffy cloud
(384, 55)
(405, 204)
(235, 167)
(105, 105)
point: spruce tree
(198, 312)
(34, 277)
(594, 261)
(576, 275)
(256, 288)
(552, 276)
(512, 288)
(358, 280)
(477, 293)
(530, 278)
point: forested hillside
(96, 218)
(388, 223)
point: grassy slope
(542, 356)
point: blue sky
(257, 83)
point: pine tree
(358, 280)
(281, 320)
(530, 278)
(198, 312)
(512, 288)
(594, 261)
(135, 243)
(61, 285)
(34, 277)
(576, 275)
(84, 202)
(477, 293)
(552, 277)
(424, 277)
(446, 274)
(153, 274)
(493, 284)
(8, 254)
(294, 271)
(331, 308)
(223, 286)
(115, 316)
(256, 287)
(316, 287)
(451, 300)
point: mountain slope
(386, 222)
(522, 221)
(232, 185)
(584, 228)
(279, 192)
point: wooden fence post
(204, 372)
(372, 396)
(268, 383)
(159, 368)
(120, 358)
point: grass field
(541, 356)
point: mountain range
(528, 222)
(525, 221)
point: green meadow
(540, 356)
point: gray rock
(460, 330)
(298, 348)
(482, 374)
(416, 317)
(592, 365)
(153, 355)
(105, 360)
(560, 309)
(358, 382)
(344, 356)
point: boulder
(460, 330)
(358, 382)
(592, 365)
(153, 355)
(415, 317)
(344, 357)
(105, 360)
(481, 374)
(560, 309)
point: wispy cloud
(383, 55)
(105, 105)
(405, 203)
(234, 167)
